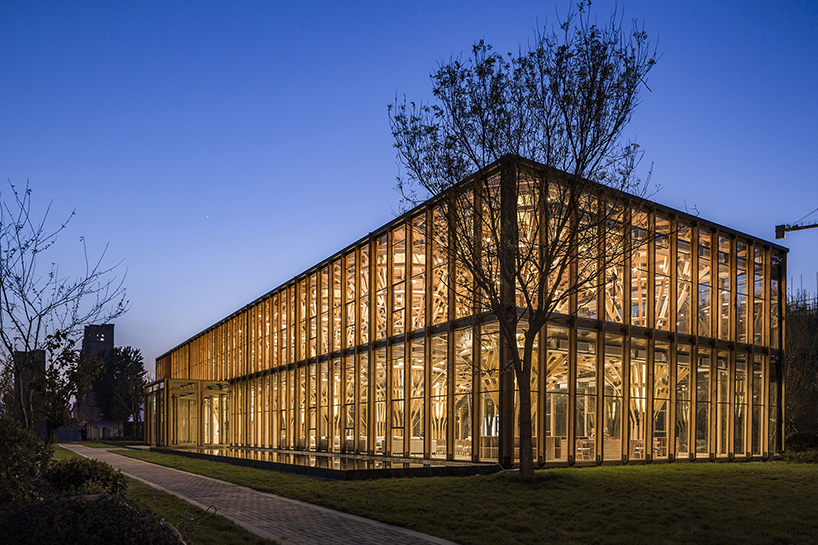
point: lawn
(759, 502)
(195, 525)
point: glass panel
(351, 276)
(418, 315)
(587, 278)
(612, 445)
(758, 404)
(440, 280)
(741, 289)
(585, 417)
(758, 298)
(637, 424)
(325, 332)
(416, 394)
(556, 400)
(724, 315)
(614, 294)
(464, 292)
(724, 288)
(703, 401)
(741, 267)
(683, 262)
(775, 300)
(528, 216)
(463, 370)
(363, 402)
(398, 279)
(399, 307)
(313, 401)
(418, 307)
(380, 288)
(661, 398)
(302, 407)
(662, 247)
(292, 412)
(349, 381)
(489, 391)
(398, 254)
(398, 372)
(661, 269)
(683, 307)
(722, 402)
(283, 404)
(740, 414)
(438, 390)
(741, 317)
(336, 328)
(704, 282)
(614, 274)
(336, 399)
(380, 399)
(185, 424)
(704, 310)
(363, 287)
(683, 399)
(275, 424)
(396, 446)
(724, 263)
(350, 328)
(662, 299)
(639, 270)
(380, 314)
(639, 298)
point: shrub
(803, 457)
(85, 475)
(87, 520)
(801, 441)
(22, 455)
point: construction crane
(781, 230)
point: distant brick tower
(98, 339)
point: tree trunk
(526, 443)
(50, 434)
(508, 263)
(18, 378)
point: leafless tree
(39, 303)
(801, 366)
(546, 234)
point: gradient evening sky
(222, 148)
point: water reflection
(326, 461)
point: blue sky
(220, 149)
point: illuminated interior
(673, 354)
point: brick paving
(286, 521)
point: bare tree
(801, 366)
(546, 234)
(39, 304)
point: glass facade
(374, 351)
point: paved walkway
(287, 521)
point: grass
(62, 454)
(196, 526)
(92, 444)
(754, 503)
